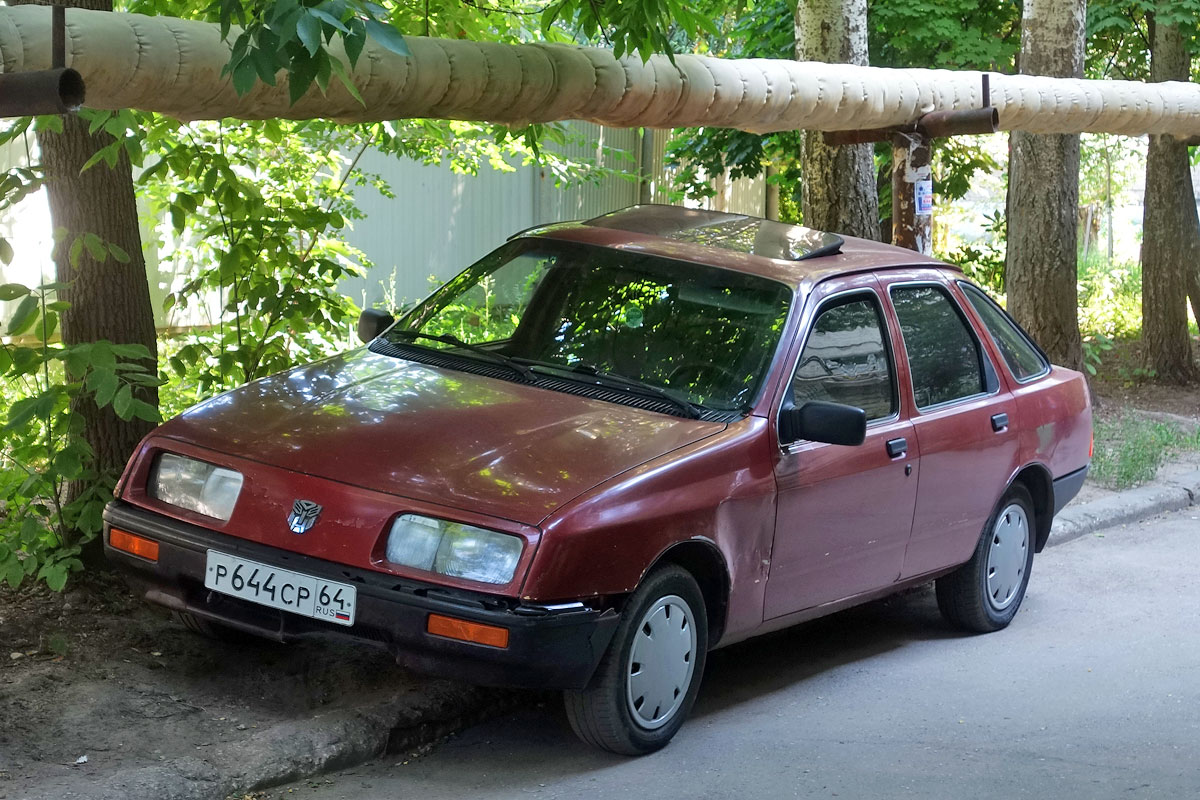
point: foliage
(945, 34)
(254, 219)
(631, 25)
(1119, 33)
(1130, 449)
(984, 263)
(1094, 345)
(759, 30)
(292, 35)
(41, 448)
(1110, 298)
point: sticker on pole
(924, 197)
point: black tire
(601, 714)
(964, 597)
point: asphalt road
(1092, 692)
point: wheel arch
(701, 558)
(1037, 480)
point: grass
(1131, 448)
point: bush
(41, 449)
(1110, 298)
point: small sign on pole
(924, 191)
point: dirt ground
(97, 674)
(1120, 384)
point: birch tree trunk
(837, 183)
(1043, 196)
(1170, 229)
(109, 300)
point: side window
(943, 354)
(845, 360)
(1019, 353)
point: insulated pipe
(174, 66)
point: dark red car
(611, 446)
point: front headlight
(454, 549)
(195, 485)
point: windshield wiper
(491, 355)
(613, 381)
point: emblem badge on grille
(304, 516)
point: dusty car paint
(601, 492)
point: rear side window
(845, 360)
(943, 355)
(1019, 353)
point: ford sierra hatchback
(611, 446)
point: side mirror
(818, 421)
(372, 322)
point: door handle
(897, 447)
(999, 422)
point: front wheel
(646, 683)
(984, 594)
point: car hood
(433, 434)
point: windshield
(702, 334)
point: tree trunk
(1043, 197)
(109, 300)
(837, 183)
(1170, 229)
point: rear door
(843, 514)
(964, 422)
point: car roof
(791, 254)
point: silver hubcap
(1007, 556)
(661, 662)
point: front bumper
(548, 648)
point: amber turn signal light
(135, 545)
(465, 631)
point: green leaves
(24, 317)
(96, 247)
(293, 36)
(642, 26)
(387, 36)
(308, 31)
(43, 386)
(11, 291)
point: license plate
(280, 588)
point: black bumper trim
(548, 649)
(1066, 487)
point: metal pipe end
(938, 124)
(43, 91)
(71, 90)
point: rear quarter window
(1013, 343)
(944, 357)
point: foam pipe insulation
(173, 66)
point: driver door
(844, 514)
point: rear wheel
(647, 682)
(984, 594)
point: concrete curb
(293, 751)
(1129, 506)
